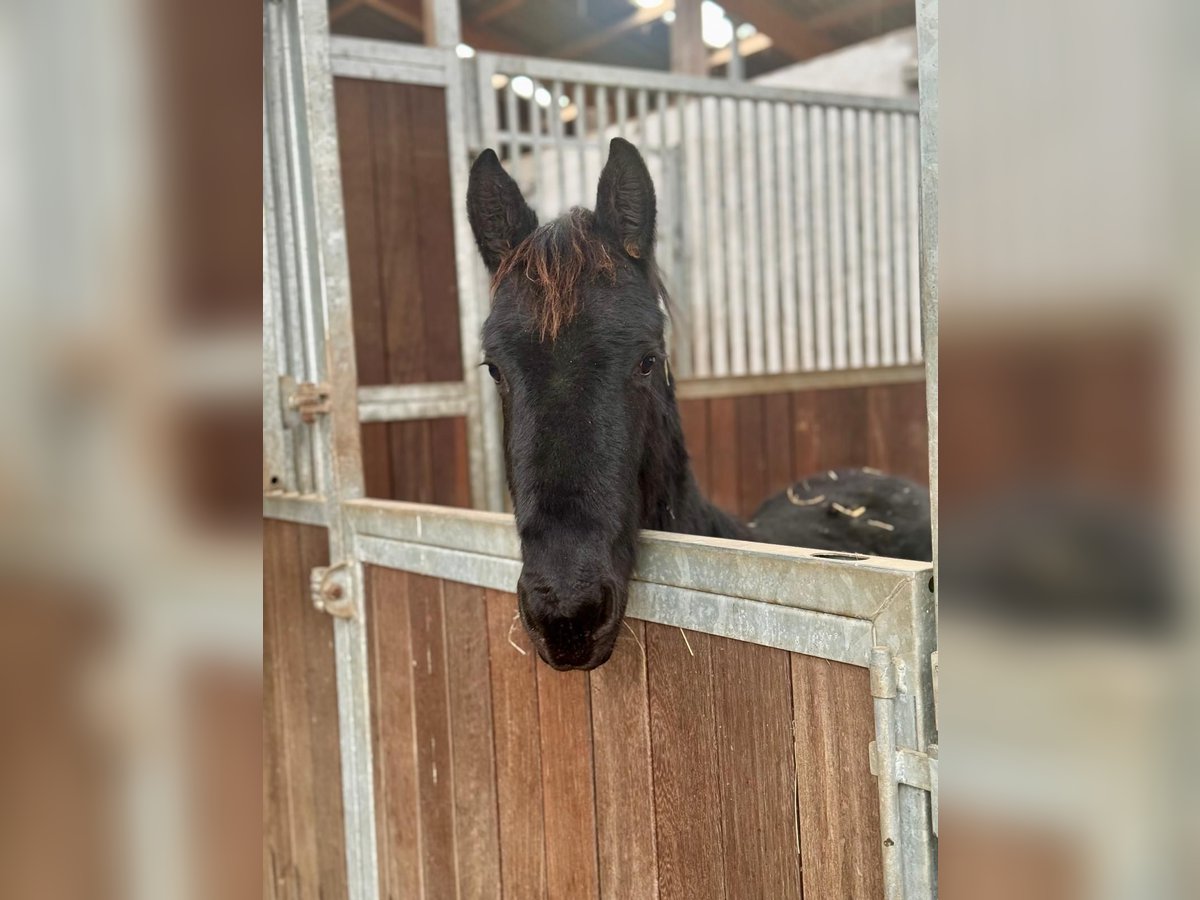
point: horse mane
(558, 257)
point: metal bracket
(915, 769)
(330, 590)
(302, 401)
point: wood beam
(756, 43)
(342, 8)
(792, 34)
(687, 44)
(576, 49)
(495, 11)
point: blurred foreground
(129, 545)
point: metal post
(302, 29)
(927, 73)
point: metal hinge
(330, 590)
(302, 401)
(916, 769)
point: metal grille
(787, 220)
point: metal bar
(406, 402)
(804, 245)
(641, 135)
(622, 96)
(837, 262)
(534, 191)
(883, 690)
(770, 188)
(783, 576)
(701, 388)
(713, 242)
(749, 186)
(912, 229)
(883, 242)
(870, 278)
(326, 297)
(634, 79)
(850, 161)
(560, 146)
(927, 71)
(899, 236)
(696, 298)
(728, 230)
(832, 637)
(820, 237)
(580, 100)
(484, 452)
(278, 449)
(306, 509)
(786, 195)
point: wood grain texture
(693, 415)
(431, 726)
(303, 821)
(837, 798)
(752, 708)
(568, 793)
(687, 798)
(723, 446)
(476, 829)
(518, 751)
(752, 454)
(624, 773)
(395, 759)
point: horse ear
(625, 199)
(499, 215)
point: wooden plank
(752, 708)
(896, 430)
(398, 227)
(686, 770)
(310, 853)
(377, 460)
(568, 793)
(752, 455)
(389, 650)
(356, 148)
(777, 426)
(723, 451)
(837, 800)
(277, 850)
(805, 433)
(448, 462)
(431, 725)
(476, 829)
(412, 461)
(321, 680)
(435, 233)
(518, 751)
(693, 415)
(842, 428)
(624, 775)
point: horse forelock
(558, 259)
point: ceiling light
(669, 16)
(522, 86)
(647, 4)
(542, 97)
(715, 28)
(464, 51)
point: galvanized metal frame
(868, 612)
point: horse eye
(646, 366)
(494, 372)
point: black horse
(592, 440)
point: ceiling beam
(598, 39)
(799, 37)
(756, 43)
(495, 11)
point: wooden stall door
(689, 766)
(400, 242)
(304, 853)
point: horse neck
(671, 499)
